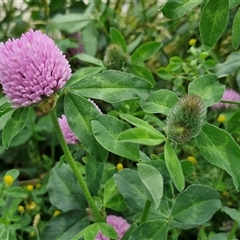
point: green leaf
(145, 51)
(65, 226)
(14, 191)
(213, 21)
(143, 134)
(22, 138)
(194, 206)
(153, 182)
(112, 198)
(90, 39)
(13, 172)
(236, 30)
(91, 231)
(173, 67)
(62, 185)
(14, 125)
(219, 148)
(152, 229)
(219, 236)
(112, 86)
(233, 3)
(160, 165)
(174, 9)
(71, 22)
(89, 59)
(94, 172)
(163, 73)
(160, 101)
(129, 185)
(208, 88)
(138, 122)
(228, 67)
(209, 64)
(174, 167)
(7, 234)
(233, 123)
(106, 130)
(106, 229)
(135, 43)
(187, 167)
(142, 72)
(81, 73)
(5, 108)
(117, 38)
(2, 202)
(80, 112)
(233, 213)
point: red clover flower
(68, 134)
(118, 223)
(32, 68)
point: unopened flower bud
(29, 187)
(36, 220)
(20, 208)
(115, 58)
(119, 166)
(186, 119)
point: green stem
(228, 101)
(233, 230)
(75, 169)
(146, 211)
(37, 233)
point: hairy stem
(75, 169)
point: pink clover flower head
(119, 224)
(69, 136)
(95, 105)
(229, 95)
(32, 68)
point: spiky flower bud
(115, 58)
(186, 119)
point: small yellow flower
(29, 187)
(119, 166)
(56, 213)
(192, 41)
(192, 159)
(8, 180)
(20, 208)
(221, 118)
(38, 185)
(31, 206)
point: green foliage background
(171, 49)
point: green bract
(185, 119)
